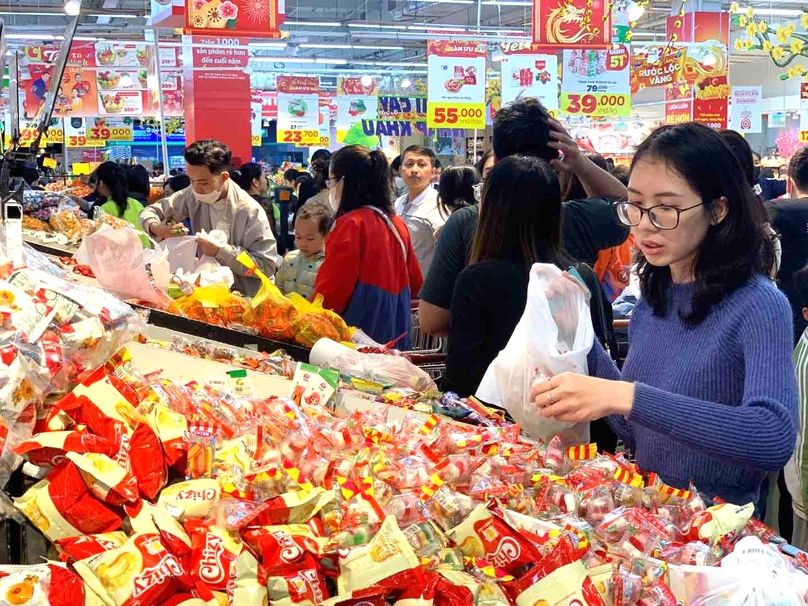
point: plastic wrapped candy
(41, 585)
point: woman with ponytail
(113, 186)
(252, 179)
(370, 273)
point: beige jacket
(238, 216)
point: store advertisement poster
(561, 24)
(706, 69)
(353, 87)
(351, 110)
(526, 74)
(97, 132)
(653, 66)
(269, 104)
(211, 52)
(493, 96)
(746, 108)
(298, 84)
(77, 92)
(411, 109)
(252, 18)
(611, 137)
(255, 117)
(28, 131)
(803, 112)
(596, 82)
(456, 76)
(298, 118)
(122, 55)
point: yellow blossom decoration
(797, 46)
(763, 27)
(750, 43)
(739, 44)
(804, 20)
(743, 21)
(751, 30)
(777, 53)
(734, 8)
(783, 34)
(767, 46)
(750, 12)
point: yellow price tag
(455, 115)
(310, 137)
(49, 162)
(804, 136)
(256, 140)
(324, 141)
(27, 136)
(81, 168)
(599, 104)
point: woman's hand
(572, 160)
(575, 398)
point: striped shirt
(796, 472)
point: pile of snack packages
(52, 213)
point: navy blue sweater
(716, 403)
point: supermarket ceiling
(369, 35)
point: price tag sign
(596, 83)
(299, 137)
(27, 136)
(804, 136)
(456, 84)
(49, 162)
(323, 141)
(256, 140)
(98, 132)
(456, 115)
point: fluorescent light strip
(314, 23)
(778, 12)
(51, 14)
(43, 14)
(506, 3)
(114, 15)
(388, 63)
(436, 27)
(446, 1)
(274, 45)
(29, 37)
(377, 26)
(300, 60)
(334, 46)
(352, 46)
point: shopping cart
(428, 353)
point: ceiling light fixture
(366, 80)
(375, 47)
(406, 83)
(273, 45)
(635, 11)
(334, 46)
(389, 63)
(438, 28)
(72, 7)
(377, 26)
(314, 23)
(778, 12)
(26, 14)
(446, 1)
(115, 15)
(506, 3)
(300, 60)
(29, 37)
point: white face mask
(210, 198)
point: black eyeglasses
(661, 216)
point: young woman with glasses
(708, 392)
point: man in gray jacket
(214, 201)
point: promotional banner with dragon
(572, 24)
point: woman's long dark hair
(114, 177)
(245, 175)
(365, 178)
(456, 188)
(520, 214)
(734, 249)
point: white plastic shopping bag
(553, 336)
(181, 252)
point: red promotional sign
(298, 84)
(252, 18)
(652, 66)
(456, 49)
(219, 52)
(269, 104)
(572, 24)
(804, 91)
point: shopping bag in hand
(553, 336)
(117, 259)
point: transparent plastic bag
(316, 323)
(181, 252)
(553, 336)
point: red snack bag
(154, 519)
(279, 546)
(146, 461)
(61, 506)
(170, 427)
(140, 572)
(40, 585)
(483, 534)
(657, 594)
(73, 549)
(49, 448)
(300, 583)
(106, 479)
(214, 552)
(372, 595)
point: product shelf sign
(456, 84)
(596, 83)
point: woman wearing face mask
(708, 392)
(370, 270)
(252, 179)
(214, 201)
(112, 186)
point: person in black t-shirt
(589, 226)
(520, 224)
(789, 218)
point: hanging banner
(77, 94)
(456, 84)
(255, 117)
(526, 74)
(652, 66)
(97, 132)
(572, 24)
(678, 111)
(351, 110)
(410, 109)
(803, 112)
(611, 137)
(353, 87)
(705, 67)
(596, 83)
(298, 118)
(298, 84)
(251, 18)
(747, 116)
(269, 104)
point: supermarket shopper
(589, 226)
(520, 224)
(298, 273)
(485, 164)
(320, 161)
(789, 219)
(707, 393)
(213, 201)
(456, 189)
(252, 178)
(796, 471)
(112, 186)
(419, 206)
(370, 271)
